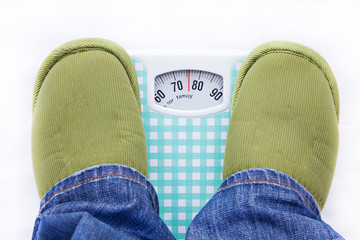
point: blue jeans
(117, 202)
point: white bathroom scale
(185, 103)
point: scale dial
(188, 90)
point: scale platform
(186, 130)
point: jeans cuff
(66, 190)
(269, 176)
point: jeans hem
(270, 176)
(92, 174)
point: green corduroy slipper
(86, 112)
(284, 116)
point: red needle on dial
(188, 80)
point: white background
(31, 29)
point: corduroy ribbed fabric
(285, 116)
(86, 44)
(86, 112)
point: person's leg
(88, 147)
(280, 152)
(260, 204)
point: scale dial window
(188, 90)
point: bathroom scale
(185, 102)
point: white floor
(31, 29)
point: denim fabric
(117, 202)
(102, 202)
(260, 204)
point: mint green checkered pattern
(185, 158)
